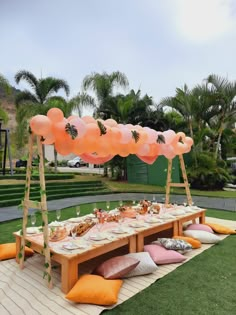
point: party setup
(128, 232)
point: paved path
(10, 213)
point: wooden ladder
(185, 184)
(41, 206)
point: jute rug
(25, 292)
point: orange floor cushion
(221, 229)
(93, 289)
(8, 251)
(193, 241)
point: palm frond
(103, 129)
(135, 135)
(28, 77)
(25, 97)
(160, 139)
(71, 130)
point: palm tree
(103, 86)
(225, 103)
(42, 88)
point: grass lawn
(203, 286)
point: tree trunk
(218, 140)
(55, 159)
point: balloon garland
(98, 141)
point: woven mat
(25, 292)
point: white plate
(75, 220)
(32, 230)
(137, 224)
(153, 220)
(119, 231)
(72, 245)
(97, 237)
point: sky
(158, 44)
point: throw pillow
(8, 251)
(200, 227)
(202, 236)
(194, 242)
(145, 266)
(170, 243)
(218, 228)
(162, 256)
(116, 267)
(93, 289)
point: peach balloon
(110, 122)
(169, 136)
(143, 150)
(88, 119)
(189, 141)
(40, 125)
(80, 125)
(55, 115)
(148, 159)
(49, 138)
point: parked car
(20, 162)
(76, 162)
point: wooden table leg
(202, 218)
(180, 224)
(175, 228)
(69, 274)
(132, 244)
(18, 244)
(140, 242)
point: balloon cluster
(98, 141)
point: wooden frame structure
(41, 206)
(185, 184)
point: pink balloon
(80, 126)
(95, 159)
(143, 150)
(55, 115)
(169, 136)
(88, 119)
(189, 141)
(126, 135)
(111, 123)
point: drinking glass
(94, 206)
(73, 231)
(98, 225)
(77, 210)
(33, 219)
(120, 203)
(58, 214)
(153, 198)
(134, 202)
(120, 221)
(108, 205)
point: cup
(77, 210)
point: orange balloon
(55, 115)
(40, 125)
(88, 119)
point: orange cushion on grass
(8, 251)
(221, 229)
(95, 289)
(193, 241)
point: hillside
(7, 104)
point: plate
(137, 224)
(32, 230)
(73, 245)
(119, 231)
(75, 220)
(97, 237)
(153, 220)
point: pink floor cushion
(200, 227)
(162, 256)
(116, 267)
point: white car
(76, 162)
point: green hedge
(36, 177)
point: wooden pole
(48, 268)
(185, 178)
(168, 181)
(26, 197)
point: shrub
(208, 174)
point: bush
(208, 174)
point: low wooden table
(200, 215)
(173, 224)
(70, 262)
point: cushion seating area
(202, 236)
(8, 251)
(116, 267)
(146, 265)
(221, 229)
(162, 256)
(193, 241)
(175, 244)
(94, 289)
(200, 227)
